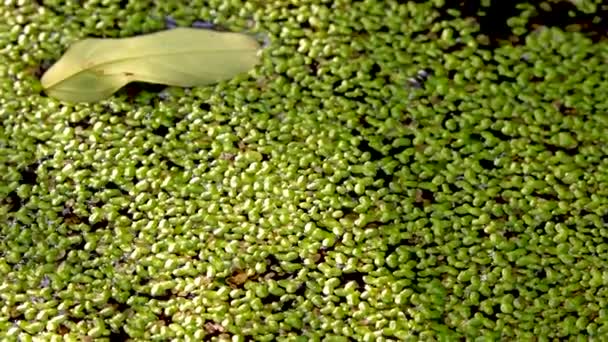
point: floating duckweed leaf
(95, 68)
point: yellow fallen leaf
(95, 68)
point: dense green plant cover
(391, 170)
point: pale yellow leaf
(94, 68)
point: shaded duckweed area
(391, 171)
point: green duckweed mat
(392, 170)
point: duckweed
(391, 171)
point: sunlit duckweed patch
(390, 171)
